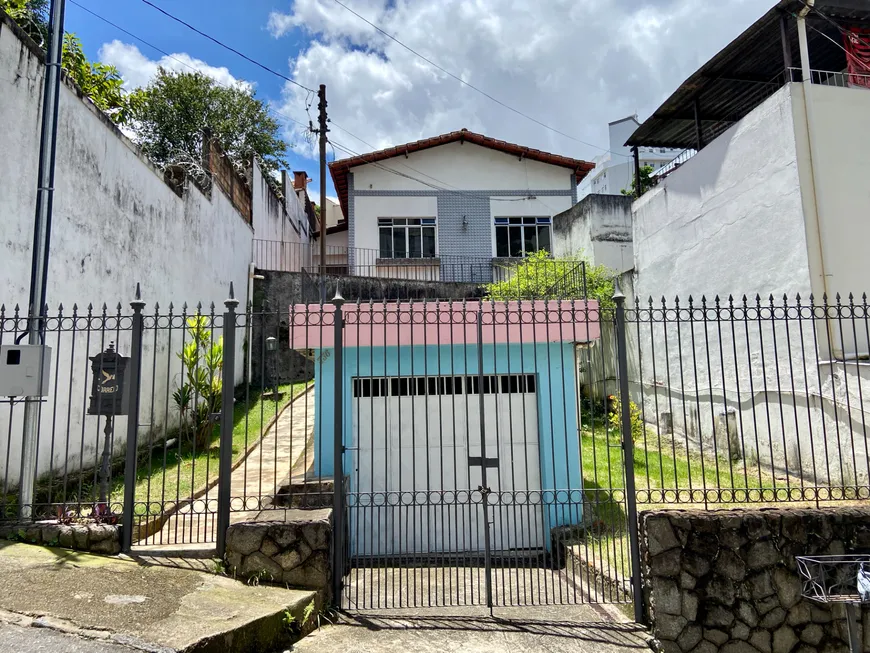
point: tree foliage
(170, 115)
(646, 181)
(540, 277)
(31, 16)
(100, 82)
(198, 396)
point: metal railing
(304, 257)
(841, 79)
(751, 401)
(586, 408)
(674, 163)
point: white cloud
(137, 69)
(575, 65)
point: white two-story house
(451, 207)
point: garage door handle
(479, 461)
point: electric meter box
(19, 370)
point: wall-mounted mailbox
(20, 367)
(108, 391)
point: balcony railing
(841, 79)
(552, 278)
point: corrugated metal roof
(747, 71)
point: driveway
(550, 629)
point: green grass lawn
(606, 536)
(188, 471)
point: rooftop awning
(748, 71)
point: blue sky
(574, 65)
(244, 30)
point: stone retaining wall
(88, 536)
(727, 580)
(290, 547)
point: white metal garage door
(417, 460)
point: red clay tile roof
(339, 169)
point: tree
(540, 277)
(100, 82)
(31, 16)
(170, 115)
(646, 182)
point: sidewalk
(156, 608)
(543, 629)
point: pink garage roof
(445, 323)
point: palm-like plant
(198, 397)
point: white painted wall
(116, 223)
(276, 219)
(840, 141)
(456, 166)
(740, 218)
(614, 170)
(462, 166)
(367, 210)
(730, 220)
(599, 227)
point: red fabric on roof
(339, 169)
(857, 42)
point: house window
(519, 237)
(407, 237)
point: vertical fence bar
(484, 488)
(225, 472)
(628, 452)
(135, 367)
(338, 458)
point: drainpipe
(802, 39)
(817, 189)
(249, 319)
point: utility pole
(321, 131)
(41, 242)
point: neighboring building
(336, 240)
(774, 203)
(775, 198)
(451, 207)
(614, 170)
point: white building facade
(448, 207)
(614, 170)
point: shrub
(199, 395)
(614, 417)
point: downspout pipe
(818, 190)
(806, 71)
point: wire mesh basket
(836, 579)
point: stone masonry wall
(727, 580)
(289, 547)
(96, 538)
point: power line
(230, 48)
(472, 86)
(299, 122)
(170, 56)
(454, 190)
(834, 23)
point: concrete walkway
(282, 451)
(566, 629)
(126, 603)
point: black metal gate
(481, 455)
